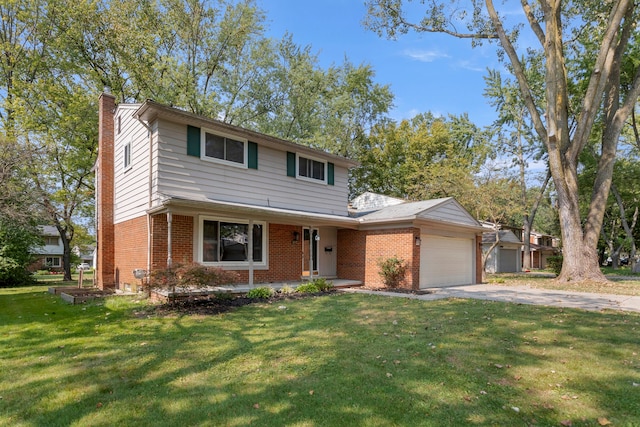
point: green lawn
(339, 360)
(626, 283)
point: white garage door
(445, 261)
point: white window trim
(53, 264)
(128, 147)
(203, 148)
(235, 265)
(306, 178)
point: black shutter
(193, 141)
(252, 153)
(291, 164)
(330, 177)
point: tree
(422, 158)
(517, 140)
(209, 57)
(590, 61)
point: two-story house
(49, 256)
(174, 187)
(542, 247)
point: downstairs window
(228, 242)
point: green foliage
(392, 271)
(190, 276)
(307, 288)
(286, 289)
(262, 292)
(422, 158)
(555, 263)
(322, 284)
(16, 244)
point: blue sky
(428, 72)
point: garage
(446, 261)
(508, 260)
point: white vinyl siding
(446, 261)
(450, 212)
(269, 186)
(131, 188)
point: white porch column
(169, 254)
(250, 251)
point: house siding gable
(179, 174)
(131, 185)
(450, 212)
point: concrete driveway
(525, 295)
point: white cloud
(468, 65)
(424, 55)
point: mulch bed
(399, 290)
(212, 305)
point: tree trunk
(580, 261)
(526, 240)
(528, 224)
(66, 255)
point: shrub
(307, 288)
(262, 292)
(555, 263)
(190, 276)
(286, 289)
(322, 284)
(392, 271)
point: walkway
(525, 295)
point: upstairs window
(126, 156)
(224, 148)
(309, 168)
(51, 241)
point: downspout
(149, 191)
(250, 251)
(312, 242)
(169, 248)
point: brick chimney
(105, 274)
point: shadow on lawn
(339, 360)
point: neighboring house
(506, 256)
(86, 254)
(542, 247)
(174, 187)
(50, 255)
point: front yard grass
(338, 360)
(621, 284)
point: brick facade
(285, 256)
(479, 267)
(181, 240)
(130, 239)
(105, 262)
(360, 251)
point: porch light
(418, 241)
(296, 237)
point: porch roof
(180, 203)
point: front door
(310, 252)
